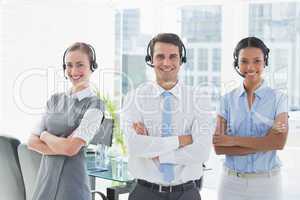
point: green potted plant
(111, 112)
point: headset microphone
(238, 71)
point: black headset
(148, 58)
(237, 49)
(93, 63)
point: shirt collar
(258, 92)
(87, 92)
(241, 90)
(176, 90)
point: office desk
(116, 171)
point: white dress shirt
(89, 124)
(191, 115)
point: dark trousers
(141, 192)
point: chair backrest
(105, 133)
(11, 181)
(30, 164)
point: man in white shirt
(168, 128)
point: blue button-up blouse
(241, 121)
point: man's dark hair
(166, 38)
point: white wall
(34, 36)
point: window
(189, 80)
(216, 61)
(202, 80)
(278, 25)
(130, 49)
(201, 23)
(202, 59)
(189, 66)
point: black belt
(174, 188)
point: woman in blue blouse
(252, 124)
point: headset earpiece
(267, 56)
(235, 59)
(183, 54)
(236, 66)
(64, 57)
(148, 58)
(64, 64)
(94, 64)
(235, 63)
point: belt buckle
(195, 183)
(160, 188)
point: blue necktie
(167, 168)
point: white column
(234, 28)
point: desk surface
(116, 170)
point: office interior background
(34, 35)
